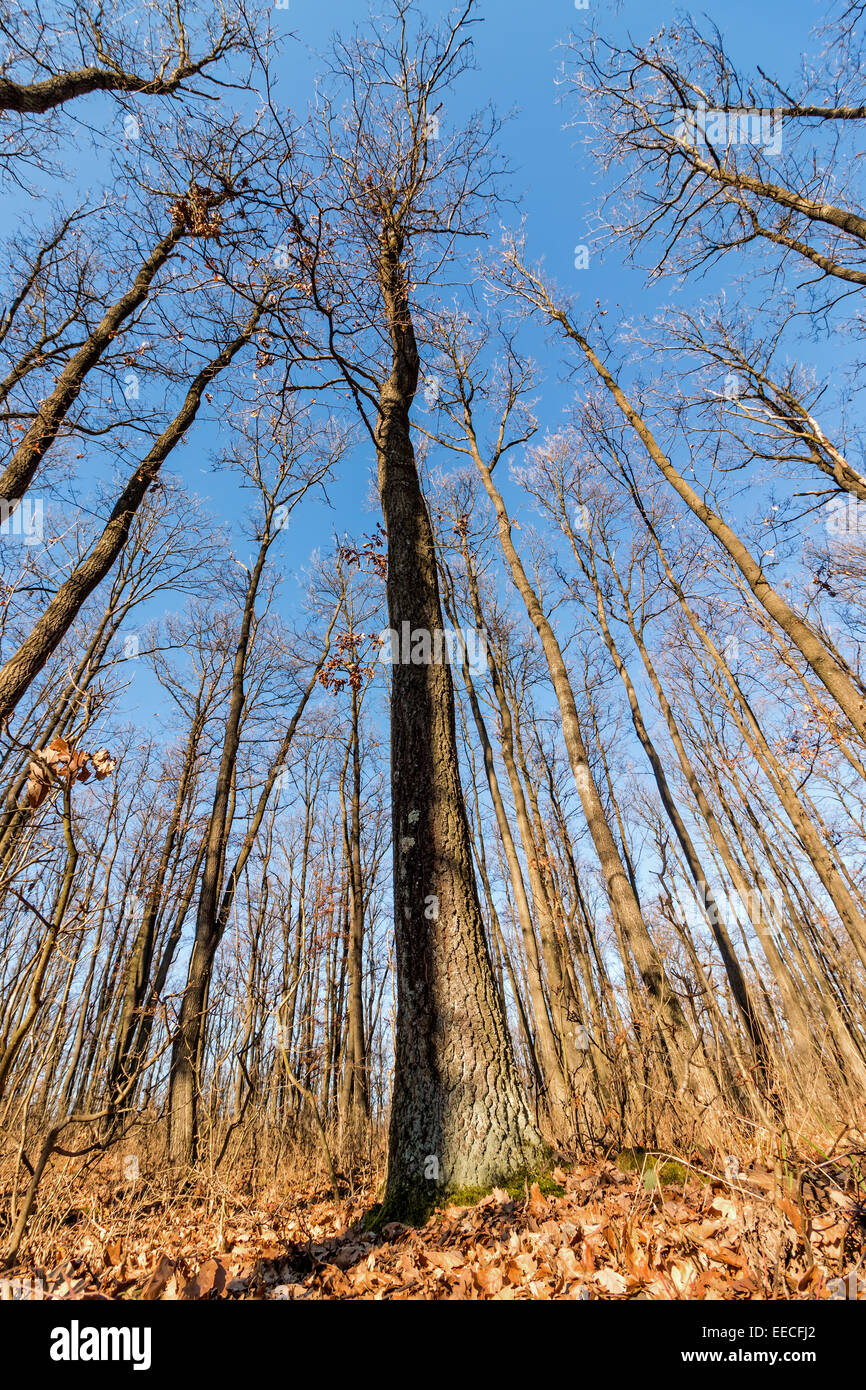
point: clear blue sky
(517, 59)
(518, 47)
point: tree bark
(458, 1115)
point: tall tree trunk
(457, 1111)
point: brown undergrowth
(633, 1226)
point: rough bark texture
(457, 1113)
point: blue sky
(518, 55)
(518, 49)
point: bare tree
(395, 193)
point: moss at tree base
(665, 1170)
(415, 1207)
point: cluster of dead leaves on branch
(60, 762)
(347, 667)
(196, 211)
(371, 556)
(605, 1234)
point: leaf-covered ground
(600, 1233)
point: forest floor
(606, 1229)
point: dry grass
(695, 1223)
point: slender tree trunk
(674, 1028)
